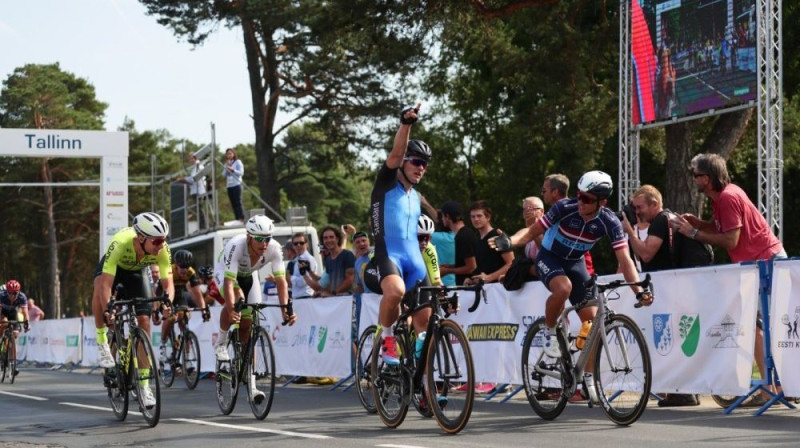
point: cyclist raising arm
(571, 227)
(131, 250)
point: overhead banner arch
(110, 147)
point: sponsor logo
(111, 164)
(787, 337)
(22, 340)
(727, 332)
(663, 336)
(689, 331)
(527, 321)
(376, 215)
(312, 334)
(115, 193)
(90, 341)
(114, 204)
(492, 332)
(323, 337)
(543, 267)
(337, 341)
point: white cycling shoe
(551, 347)
(221, 352)
(104, 356)
(148, 400)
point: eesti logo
(689, 330)
(72, 340)
(323, 337)
(663, 336)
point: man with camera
(304, 262)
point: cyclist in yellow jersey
(130, 251)
(425, 228)
(187, 286)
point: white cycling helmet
(260, 225)
(151, 225)
(425, 225)
(597, 183)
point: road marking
(30, 397)
(250, 428)
(400, 446)
(78, 405)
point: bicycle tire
(623, 390)
(167, 369)
(545, 393)
(725, 401)
(4, 357)
(190, 354)
(144, 377)
(449, 369)
(261, 366)
(390, 389)
(226, 377)
(363, 368)
(118, 394)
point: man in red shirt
(736, 224)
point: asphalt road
(57, 408)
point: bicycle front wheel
(169, 363)
(390, 387)
(542, 375)
(261, 374)
(450, 377)
(191, 360)
(4, 346)
(622, 371)
(363, 368)
(227, 377)
(115, 380)
(145, 377)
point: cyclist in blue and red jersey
(394, 212)
(571, 227)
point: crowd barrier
(700, 331)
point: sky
(138, 67)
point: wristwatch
(693, 233)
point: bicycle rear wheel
(191, 360)
(145, 377)
(542, 375)
(363, 369)
(116, 382)
(261, 372)
(622, 371)
(390, 388)
(450, 377)
(167, 368)
(227, 377)
(4, 357)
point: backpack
(686, 252)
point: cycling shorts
(401, 258)
(550, 266)
(135, 285)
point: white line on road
(250, 428)
(30, 397)
(78, 405)
(399, 446)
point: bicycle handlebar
(646, 285)
(443, 290)
(241, 304)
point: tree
(44, 96)
(339, 62)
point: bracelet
(693, 233)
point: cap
(452, 209)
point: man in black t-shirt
(465, 241)
(491, 264)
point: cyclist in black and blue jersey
(394, 213)
(571, 227)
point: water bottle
(419, 343)
(585, 328)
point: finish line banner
(785, 318)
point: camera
(628, 212)
(303, 266)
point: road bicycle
(135, 364)
(253, 365)
(445, 365)
(8, 350)
(182, 351)
(622, 370)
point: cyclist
(13, 306)
(571, 227)
(236, 275)
(211, 293)
(395, 210)
(130, 251)
(425, 229)
(187, 285)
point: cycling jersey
(8, 308)
(569, 236)
(189, 277)
(121, 254)
(395, 212)
(233, 263)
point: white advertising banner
(319, 344)
(54, 341)
(785, 316)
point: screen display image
(691, 56)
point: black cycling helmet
(419, 149)
(206, 272)
(183, 258)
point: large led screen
(690, 56)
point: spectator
(554, 189)
(466, 240)
(304, 262)
(339, 264)
(445, 242)
(233, 172)
(736, 226)
(532, 211)
(491, 264)
(363, 255)
(34, 312)
(197, 189)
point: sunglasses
(261, 239)
(417, 162)
(157, 241)
(298, 243)
(586, 199)
(423, 238)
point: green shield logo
(689, 330)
